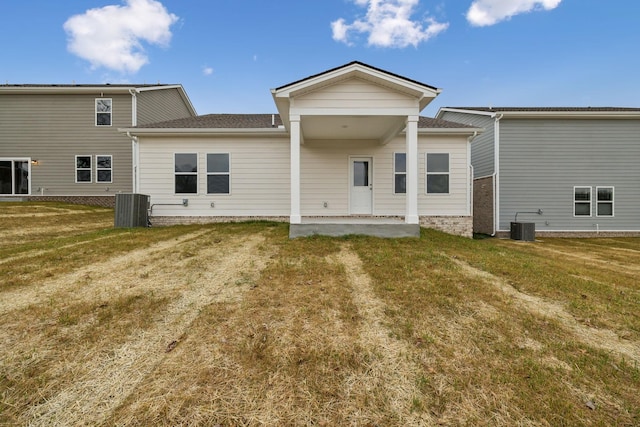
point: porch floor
(343, 226)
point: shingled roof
(265, 121)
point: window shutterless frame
(604, 201)
(218, 173)
(185, 173)
(83, 169)
(437, 172)
(103, 111)
(104, 168)
(582, 198)
(399, 173)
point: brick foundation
(456, 225)
(103, 201)
(161, 221)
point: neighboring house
(61, 142)
(347, 153)
(579, 166)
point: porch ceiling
(351, 127)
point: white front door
(361, 184)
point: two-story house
(61, 142)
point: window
(103, 111)
(437, 173)
(581, 201)
(604, 201)
(14, 176)
(103, 169)
(218, 173)
(83, 169)
(399, 173)
(186, 173)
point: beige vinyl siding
(54, 128)
(159, 105)
(325, 169)
(259, 170)
(354, 94)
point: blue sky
(229, 53)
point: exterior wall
(483, 205)
(104, 201)
(483, 145)
(325, 169)
(159, 105)
(259, 168)
(54, 128)
(542, 160)
(354, 93)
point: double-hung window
(437, 173)
(186, 173)
(104, 169)
(400, 173)
(581, 201)
(218, 173)
(103, 111)
(83, 169)
(604, 201)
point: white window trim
(76, 169)
(582, 201)
(99, 168)
(427, 173)
(613, 201)
(95, 112)
(196, 173)
(393, 184)
(218, 173)
(13, 178)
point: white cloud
(388, 23)
(207, 71)
(488, 12)
(112, 36)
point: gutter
(496, 174)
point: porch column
(295, 217)
(411, 215)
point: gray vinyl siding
(160, 105)
(542, 160)
(54, 128)
(482, 147)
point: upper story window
(437, 173)
(399, 173)
(218, 173)
(103, 111)
(186, 173)
(604, 201)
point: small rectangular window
(218, 173)
(437, 173)
(186, 173)
(581, 201)
(400, 173)
(604, 201)
(103, 111)
(83, 169)
(104, 169)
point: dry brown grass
(235, 325)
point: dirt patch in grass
(598, 338)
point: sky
(228, 54)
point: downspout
(496, 173)
(134, 140)
(471, 173)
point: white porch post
(411, 216)
(295, 217)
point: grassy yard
(236, 325)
